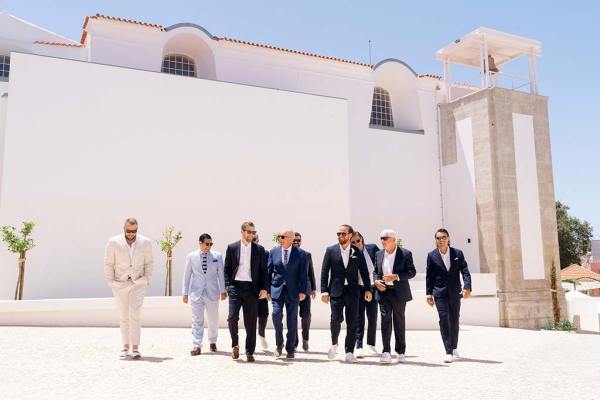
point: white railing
(495, 79)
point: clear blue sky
(411, 31)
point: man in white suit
(128, 266)
(204, 285)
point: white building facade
(175, 126)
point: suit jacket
(294, 275)
(198, 284)
(312, 284)
(372, 250)
(118, 267)
(441, 282)
(334, 274)
(258, 265)
(404, 267)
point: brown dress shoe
(213, 347)
(249, 358)
(196, 351)
(235, 353)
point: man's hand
(368, 296)
(262, 294)
(325, 298)
(313, 294)
(302, 296)
(390, 278)
(466, 293)
(223, 295)
(430, 301)
(380, 285)
(185, 298)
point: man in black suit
(342, 264)
(305, 314)
(246, 282)
(364, 307)
(445, 264)
(393, 268)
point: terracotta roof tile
(129, 21)
(58, 43)
(576, 272)
(303, 53)
(439, 78)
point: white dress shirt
(130, 249)
(370, 267)
(345, 259)
(388, 264)
(446, 258)
(243, 272)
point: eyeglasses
(441, 237)
(207, 244)
(384, 238)
(251, 232)
(342, 233)
(128, 231)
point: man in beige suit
(127, 268)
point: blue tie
(204, 262)
(285, 257)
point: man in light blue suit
(287, 275)
(203, 286)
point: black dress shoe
(305, 345)
(249, 358)
(279, 350)
(213, 347)
(290, 355)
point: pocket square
(456, 259)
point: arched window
(4, 66)
(179, 65)
(381, 110)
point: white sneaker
(135, 354)
(401, 358)
(386, 358)
(124, 354)
(350, 358)
(371, 350)
(455, 354)
(263, 343)
(448, 358)
(361, 353)
(332, 352)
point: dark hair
(203, 237)
(297, 234)
(441, 230)
(357, 233)
(130, 221)
(350, 230)
(247, 224)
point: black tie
(204, 262)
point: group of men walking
(356, 280)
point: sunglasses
(342, 233)
(208, 244)
(297, 240)
(356, 241)
(441, 237)
(251, 232)
(384, 238)
(128, 231)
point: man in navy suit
(445, 264)
(246, 282)
(393, 268)
(287, 275)
(342, 265)
(305, 313)
(364, 307)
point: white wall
(107, 143)
(530, 225)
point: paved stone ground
(82, 363)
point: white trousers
(212, 313)
(129, 298)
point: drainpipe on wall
(439, 137)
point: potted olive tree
(167, 243)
